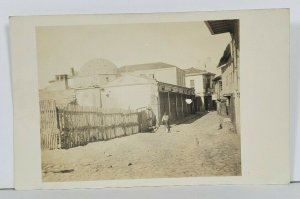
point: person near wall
(227, 106)
(151, 120)
(166, 122)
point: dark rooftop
(226, 56)
(221, 26)
(193, 70)
(147, 66)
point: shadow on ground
(190, 119)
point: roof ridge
(145, 66)
(194, 70)
(158, 62)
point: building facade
(69, 88)
(158, 87)
(160, 71)
(201, 81)
(230, 68)
(134, 92)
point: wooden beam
(169, 104)
(181, 106)
(186, 106)
(176, 106)
(158, 108)
(209, 27)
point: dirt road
(194, 148)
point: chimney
(72, 72)
(66, 81)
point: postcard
(122, 100)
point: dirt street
(194, 148)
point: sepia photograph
(139, 100)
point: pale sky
(183, 44)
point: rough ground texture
(196, 147)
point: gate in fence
(74, 125)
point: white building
(201, 81)
(159, 71)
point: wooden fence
(81, 125)
(50, 135)
(48, 114)
(77, 125)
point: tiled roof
(147, 66)
(226, 56)
(221, 26)
(126, 80)
(193, 70)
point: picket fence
(70, 126)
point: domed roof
(98, 66)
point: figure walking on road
(165, 121)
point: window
(208, 82)
(192, 83)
